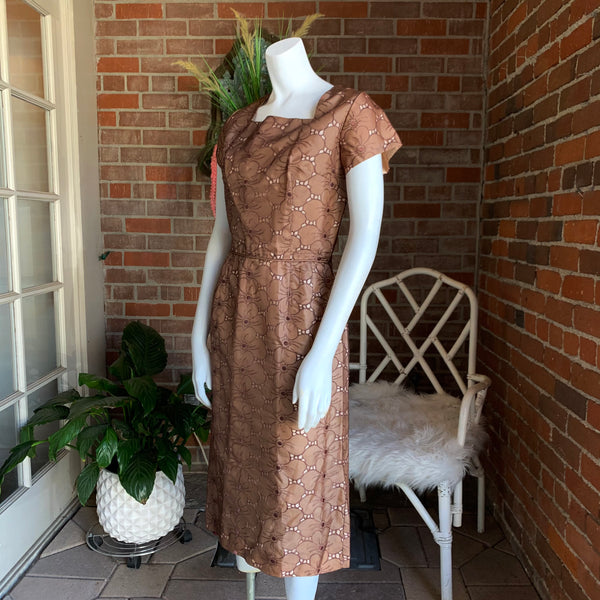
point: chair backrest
(440, 296)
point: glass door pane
(34, 400)
(25, 57)
(30, 146)
(2, 147)
(5, 284)
(8, 438)
(34, 227)
(7, 352)
(39, 332)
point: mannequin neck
(289, 68)
(296, 87)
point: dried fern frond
(306, 25)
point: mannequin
(296, 92)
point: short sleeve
(367, 132)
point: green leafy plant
(131, 425)
(242, 78)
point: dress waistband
(319, 259)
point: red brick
(549, 281)
(249, 10)
(116, 28)
(586, 320)
(120, 190)
(147, 259)
(196, 10)
(580, 232)
(463, 175)
(448, 10)
(422, 27)
(367, 64)
(446, 46)
(118, 64)
(139, 11)
(578, 288)
(165, 28)
(577, 40)
(107, 118)
(184, 310)
(563, 257)
(140, 309)
(191, 294)
(566, 204)
(118, 101)
(570, 151)
(588, 350)
(169, 173)
(291, 9)
(592, 148)
(148, 225)
(344, 10)
(445, 120)
(114, 83)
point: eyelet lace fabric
(277, 495)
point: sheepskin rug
(398, 436)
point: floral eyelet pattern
(277, 495)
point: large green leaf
(145, 347)
(121, 368)
(88, 437)
(86, 481)
(186, 385)
(65, 397)
(169, 464)
(64, 435)
(48, 414)
(99, 383)
(181, 417)
(17, 454)
(107, 448)
(94, 405)
(145, 390)
(125, 450)
(138, 476)
(185, 455)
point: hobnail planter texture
(125, 519)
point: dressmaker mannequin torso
(297, 91)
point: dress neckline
(264, 99)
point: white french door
(40, 307)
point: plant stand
(99, 541)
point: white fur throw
(398, 436)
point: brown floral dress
(278, 496)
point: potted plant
(131, 432)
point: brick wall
(421, 61)
(540, 287)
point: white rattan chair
(407, 320)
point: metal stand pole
(250, 581)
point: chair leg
(362, 492)
(444, 539)
(457, 505)
(480, 474)
(481, 503)
(250, 581)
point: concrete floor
(485, 566)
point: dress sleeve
(367, 132)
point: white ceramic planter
(126, 520)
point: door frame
(86, 304)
